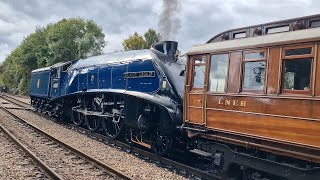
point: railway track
(179, 167)
(15, 163)
(49, 171)
(57, 159)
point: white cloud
(200, 20)
(4, 51)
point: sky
(196, 21)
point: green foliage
(136, 41)
(151, 37)
(63, 41)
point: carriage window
(200, 60)
(199, 74)
(299, 51)
(277, 29)
(218, 73)
(315, 23)
(254, 75)
(239, 35)
(297, 74)
(255, 55)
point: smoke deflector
(168, 48)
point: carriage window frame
(248, 60)
(195, 62)
(239, 35)
(227, 76)
(315, 23)
(285, 57)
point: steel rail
(12, 100)
(51, 173)
(140, 151)
(109, 168)
(154, 157)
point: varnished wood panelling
(234, 72)
(273, 70)
(195, 115)
(317, 76)
(301, 108)
(276, 128)
(195, 100)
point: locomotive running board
(93, 113)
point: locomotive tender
(250, 99)
(135, 92)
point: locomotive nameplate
(140, 74)
(228, 102)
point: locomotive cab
(58, 73)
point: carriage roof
(258, 41)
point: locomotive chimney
(168, 48)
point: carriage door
(55, 82)
(197, 87)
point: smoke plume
(169, 22)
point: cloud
(4, 50)
(200, 20)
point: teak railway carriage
(252, 99)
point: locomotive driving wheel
(112, 126)
(77, 118)
(93, 123)
(160, 143)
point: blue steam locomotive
(135, 93)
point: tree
(151, 37)
(63, 41)
(136, 41)
(74, 39)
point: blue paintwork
(111, 76)
(148, 84)
(118, 80)
(40, 84)
(93, 78)
(82, 79)
(106, 73)
(105, 77)
(69, 83)
(55, 88)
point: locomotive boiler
(134, 93)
